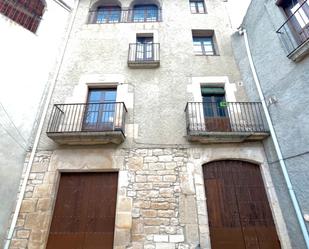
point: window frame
(148, 11)
(99, 112)
(107, 13)
(194, 6)
(202, 45)
(212, 103)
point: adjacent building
(31, 35)
(278, 36)
(150, 138)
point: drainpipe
(275, 141)
(39, 130)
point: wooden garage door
(238, 209)
(84, 214)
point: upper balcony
(144, 55)
(212, 122)
(117, 15)
(294, 32)
(90, 123)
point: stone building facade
(161, 197)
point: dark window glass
(214, 105)
(110, 14)
(197, 6)
(144, 48)
(100, 110)
(203, 45)
(145, 13)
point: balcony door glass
(100, 110)
(215, 110)
(214, 106)
(144, 48)
(145, 13)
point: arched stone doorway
(238, 210)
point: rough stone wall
(32, 222)
(155, 189)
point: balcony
(294, 33)
(144, 55)
(225, 122)
(115, 15)
(91, 123)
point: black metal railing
(20, 14)
(124, 16)
(294, 32)
(144, 53)
(225, 117)
(90, 117)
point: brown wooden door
(84, 214)
(238, 208)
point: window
(144, 48)
(145, 13)
(27, 13)
(197, 6)
(203, 42)
(108, 14)
(297, 12)
(203, 45)
(295, 30)
(100, 109)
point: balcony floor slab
(225, 137)
(87, 138)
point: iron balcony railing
(225, 117)
(294, 32)
(90, 117)
(20, 14)
(144, 53)
(124, 16)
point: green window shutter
(213, 90)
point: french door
(144, 49)
(216, 113)
(100, 110)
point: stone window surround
(255, 155)
(86, 81)
(80, 91)
(145, 32)
(212, 81)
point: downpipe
(39, 131)
(275, 141)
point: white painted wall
(25, 64)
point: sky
(237, 10)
